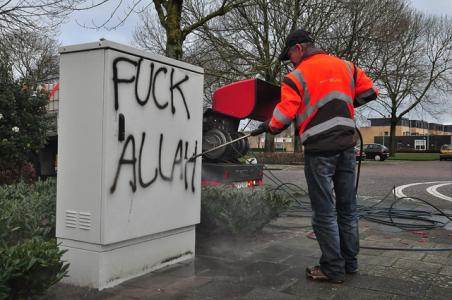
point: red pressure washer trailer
(247, 99)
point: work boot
(315, 273)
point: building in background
(410, 134)
(283, 141)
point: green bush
(30, 268)
(236, 211)
(30, 260)
(23, 123)
(26, 211)
(4, 275)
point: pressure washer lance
(252, 133)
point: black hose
(361, 149)
(397, 248)
(407, 249)
(373, 213)
(284, 190)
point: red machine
(247, 99)
(251, 98)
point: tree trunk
(297, 146)
(174, 37)
(174, 44)
(392, 138)
(269, 143)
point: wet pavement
(271, 265)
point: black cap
(295, 37)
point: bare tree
(408, 54)
(359, 29)
(39, 14)
(33, 55)
(246, 43)
(415, 67)
(15, 15)
(177, 20)
(32, 15)
(355, 27)
(242, 45)
(149, 33)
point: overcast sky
(72, 33)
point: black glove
(263, 127)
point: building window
(386, 133)
(419, 144)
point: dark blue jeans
(331, 186)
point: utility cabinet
(128, 195)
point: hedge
(239, 211)
(30, 260)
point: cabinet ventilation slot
(84, 220)
(81, 220)
(71, 219)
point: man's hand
(263, 127)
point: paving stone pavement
(271, 265)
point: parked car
(359, 155)
(445, 152)
(376, 151)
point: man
(320, 94)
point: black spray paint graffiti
(180, 160)
(129, 154)
(156, 76)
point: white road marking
(399, 190)
(433, 190)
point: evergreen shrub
(239, 211)
(30, 260)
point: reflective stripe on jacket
(320, 95)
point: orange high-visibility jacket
(320, 95)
